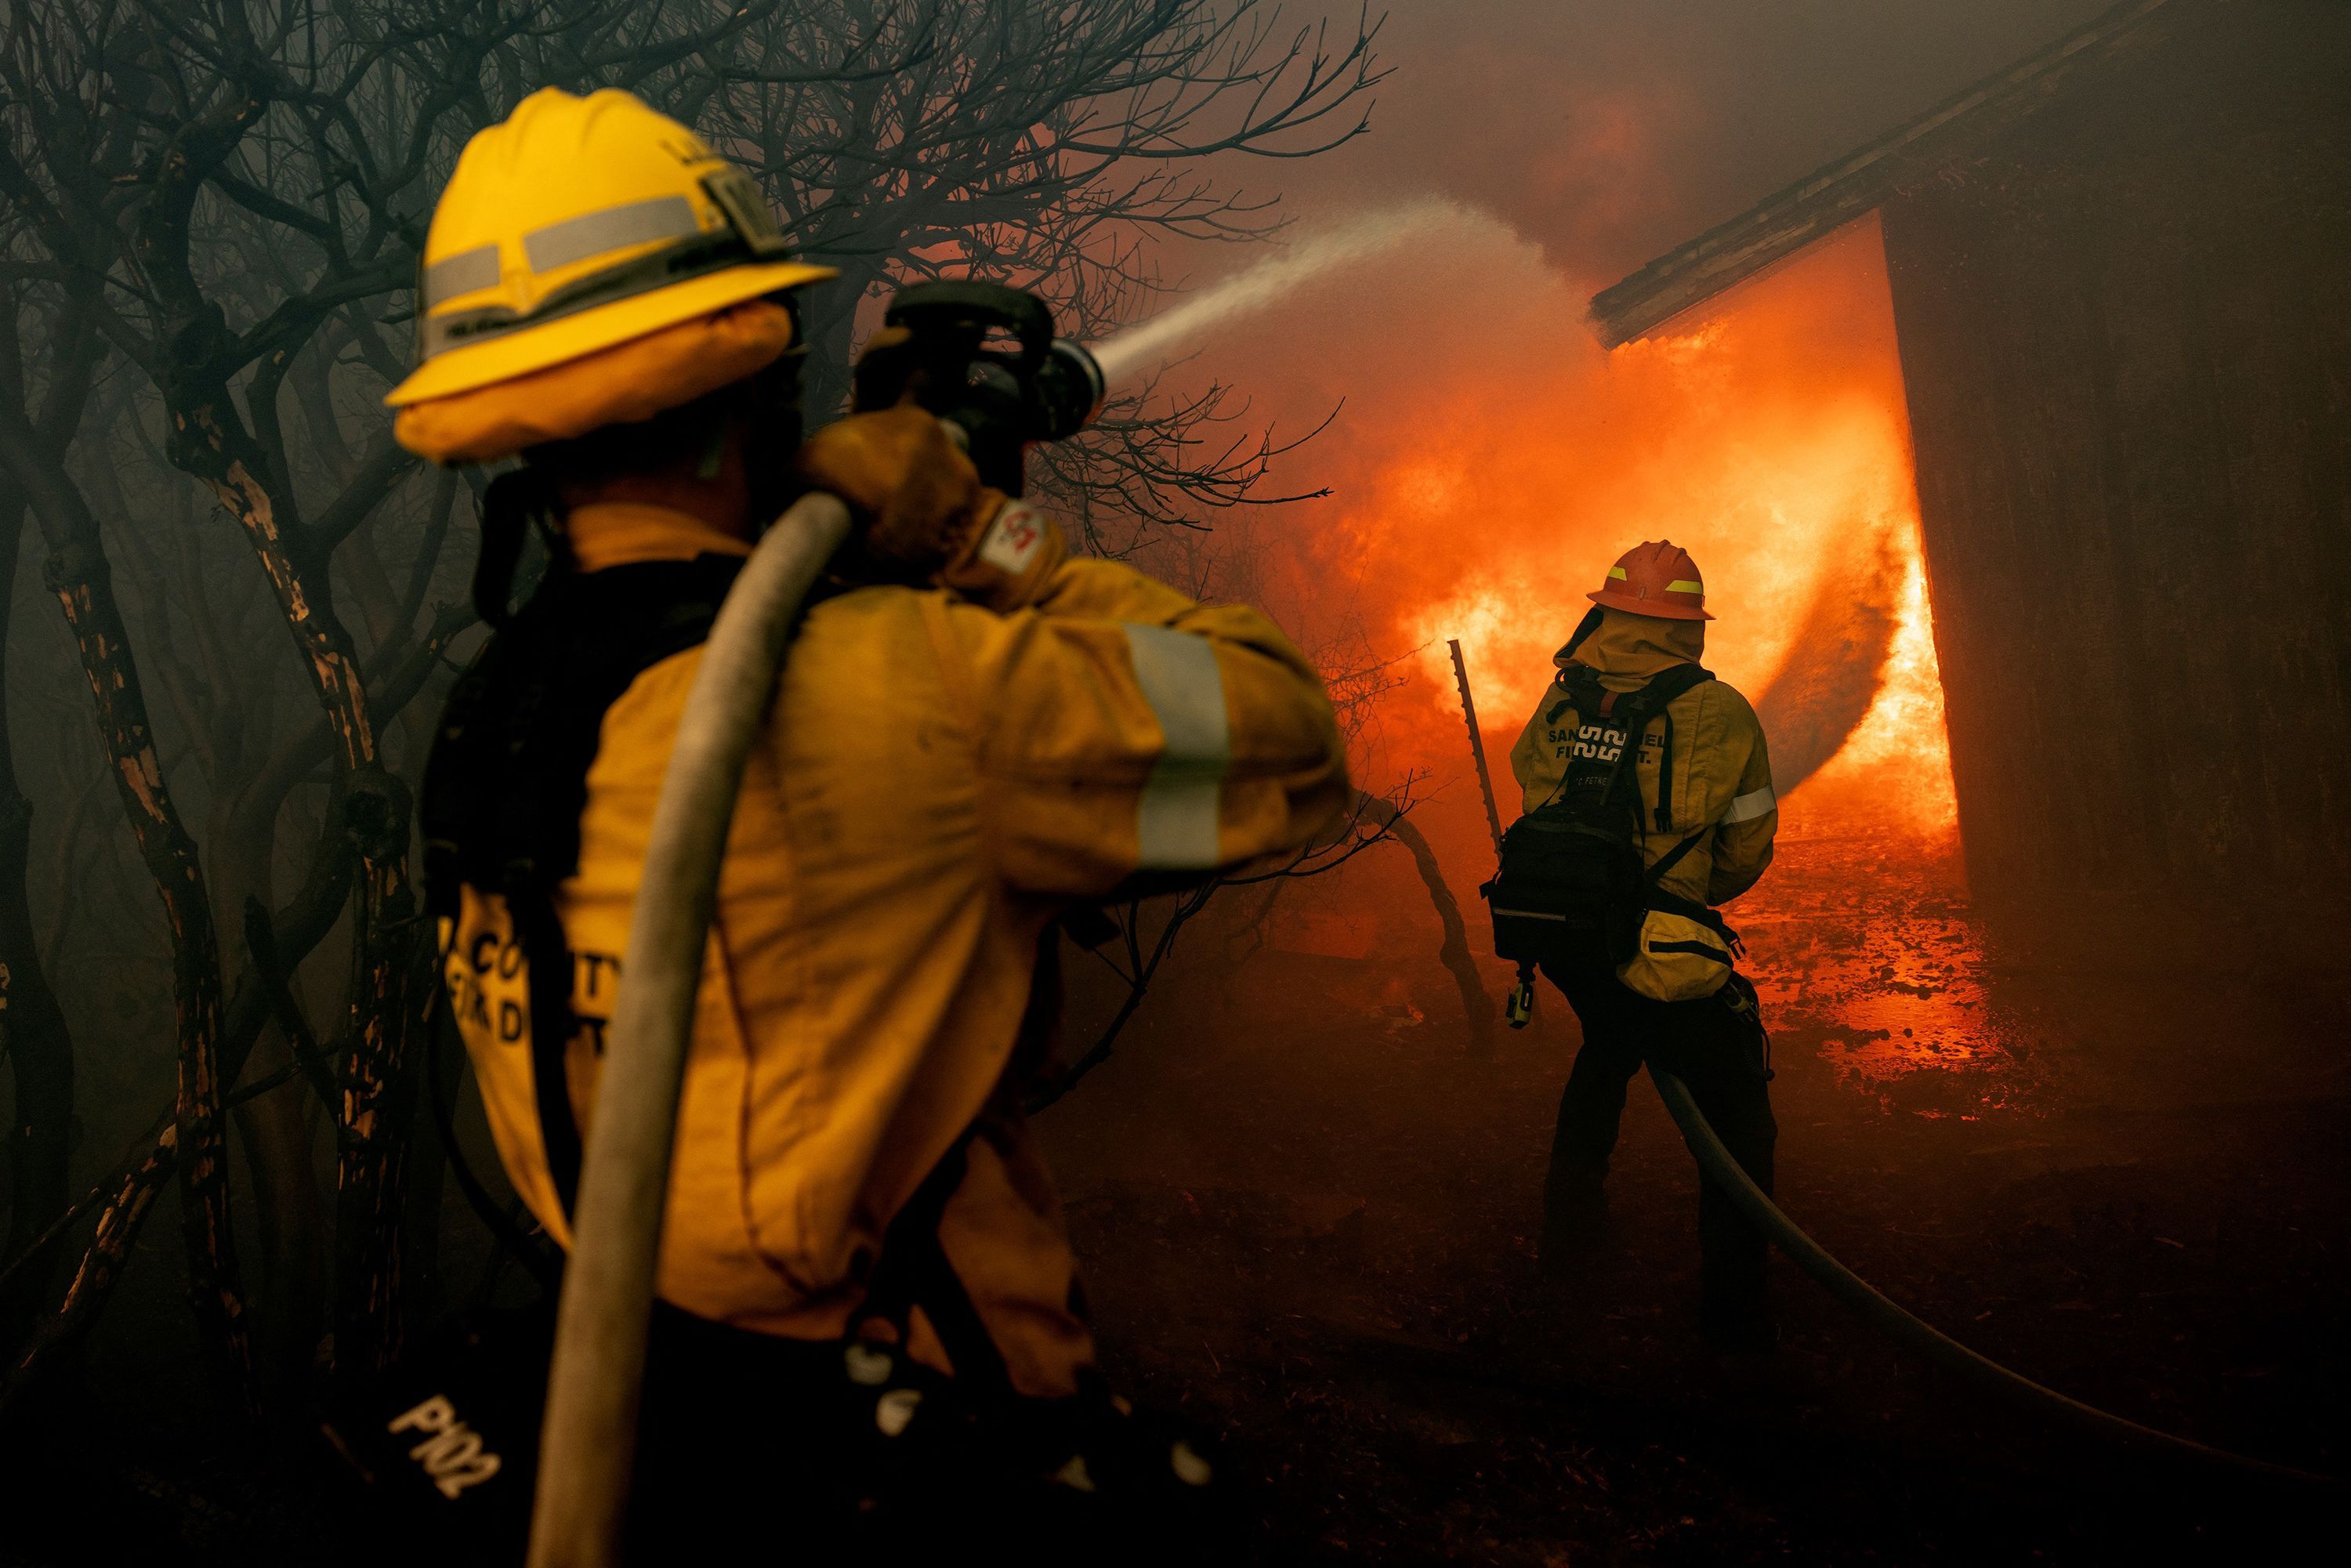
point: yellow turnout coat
(1722, 769)
(937, 781)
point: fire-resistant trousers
(1720, 1053)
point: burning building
(2117, 285)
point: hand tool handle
(1477, 745)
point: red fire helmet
(1657, 579)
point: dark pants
(1719, 1053)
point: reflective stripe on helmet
(750, 237)
(574, 226)
(1176, 820)
(672, 264)
(1750, 806)
(461, 274)
(1656, 579)
(593, 234)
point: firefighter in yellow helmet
(863, 1270)
(1648, 802)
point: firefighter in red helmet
(1648, 802)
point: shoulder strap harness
(508, 778)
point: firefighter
(1649, 803)
(975, 732)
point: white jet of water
(1150, 345)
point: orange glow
(1491, 462)
(1896, 765)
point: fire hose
(949, 354)
(1978, 1371)
(596, 1379)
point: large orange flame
(1492, 460)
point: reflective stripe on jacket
(1722, 770)
(939, 781)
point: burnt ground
(1308, 1214)
(1308, 1209)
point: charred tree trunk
(77, 575)
(378, 1089)
(109, 1249)
(1453, 950)
(32, 1025)
(275, 1128)
(295, 931)
(372, 1119)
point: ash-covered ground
(1307, 1212)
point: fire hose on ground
(1978, 1371)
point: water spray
(984, 357)
(1155, 344)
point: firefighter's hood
(1628, 649)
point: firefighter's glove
(914, 495)
(924, 516)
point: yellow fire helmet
(579, 224)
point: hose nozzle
(982, 357)
(1068, 389)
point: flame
(1896, 766)
(1492, 460)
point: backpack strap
(547, 955)
(1691, 909)
(1670, 859)
(1656, 701)
(507, 778)
(1667, 687)
(1580, 689)
(1666, 776)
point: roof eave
(1861, 182)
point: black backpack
(1572, 865)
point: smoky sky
(1609, 133)
(1484, 458)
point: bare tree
(210, 212)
